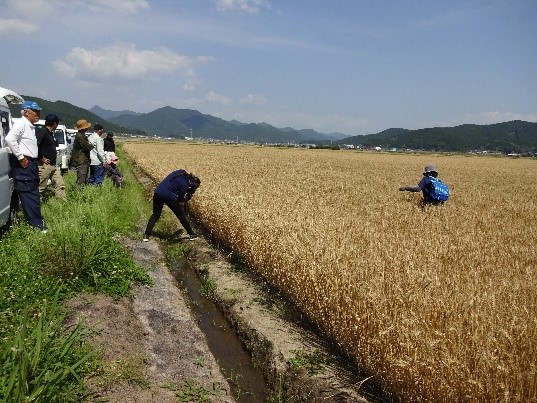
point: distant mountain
(108, 114)
(70, 114)
(316, 137)
(172, 122)
(509, 137)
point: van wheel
(13, 209)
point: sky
(349, 66)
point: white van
(9, 201)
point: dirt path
(153, 349)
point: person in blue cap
(22, 142)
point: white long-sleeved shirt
(21, 139)
(97, 155)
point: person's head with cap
(430, 170)
(82, 125)
(52, 120)
(31, 111)
(110, 134)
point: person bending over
(174, 191)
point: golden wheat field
(439, 304)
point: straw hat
(82, 124)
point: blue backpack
(438, 190)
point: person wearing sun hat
(22, 142)
(80, 157)
(434, 191)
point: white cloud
(327, 123)
(31, 8)
(254, 99)
(189, 86)
(121, 62)
(205, 59)
(213, 97)
(17, 25)
(248, 6)
(118, 6)
(486, 118)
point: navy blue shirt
(46, 144)
(174, 186)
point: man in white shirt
(22, 142)
(97, 156)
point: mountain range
(177, 123)
(508, 137)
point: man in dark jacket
(174, 191)
(80, 157)
(109, 144)
(46, 157)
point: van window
(59, 136)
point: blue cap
(30, 105)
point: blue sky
(349, 66)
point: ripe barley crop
(439, 304)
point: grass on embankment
(39, 359)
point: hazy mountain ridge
(108, 114)
(70, 114)
(172, 122)
(507, 137)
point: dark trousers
(96, 175)
(26, 182)
(81, 174)
(175, 206)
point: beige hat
(82, 124)
(430, 168)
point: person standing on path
(97, 156)
(174, 191)
(80, 157)
(46, 145)
(22, 142)
(109, 143)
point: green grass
(313, 363)
(44, 362)
(80, 253)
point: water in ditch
(246, 382)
